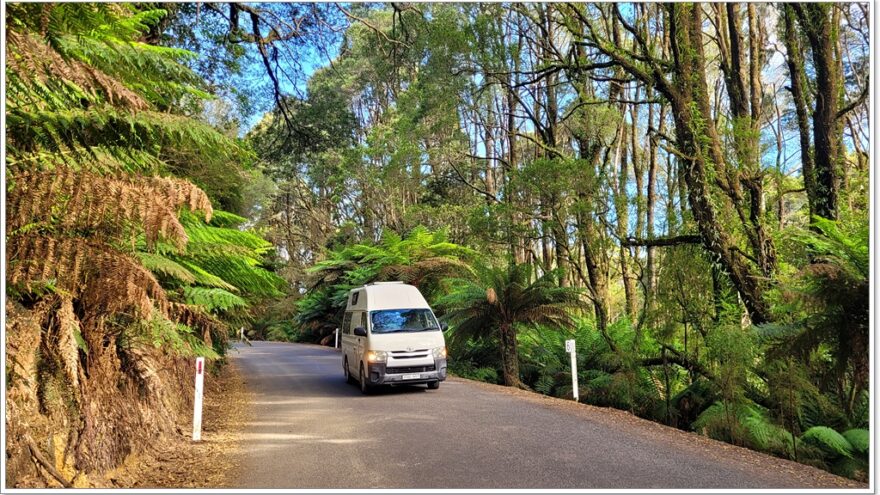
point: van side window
(346, 323)
(354, 297)
(364, 319)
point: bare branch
(853, 104)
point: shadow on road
(335, 386)
(312, 373)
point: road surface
(309, 429)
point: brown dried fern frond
(113, 206)
(105, 280)
(34, 62)
(180, 193)
(195, 317)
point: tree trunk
(650, 281)
(490, 154)
(519, 249)
(797, 75)
(699, 142)
(745, 95)
(822, 35)
(509, 356)
(597, 276)
(622, 202)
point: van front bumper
(379, 374)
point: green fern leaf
(213, 299)
(829, 440)
(208, 279)
(157, 263)
(859, 439)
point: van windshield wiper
(409, 330)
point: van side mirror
(444, 327)
(360, 331)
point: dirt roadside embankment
(181, 463)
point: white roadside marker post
(569, 348)
(336, 341)
(197, 403)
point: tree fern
(421, 257)
(498, 299)
(162, 265)
(88, 132)
(204, 278)
(830, 301)
(829, 440)
(213, 299)
(859, 439)
(79, 130)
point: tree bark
(509, 356)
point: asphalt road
(309, 429)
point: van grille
(418, 353)
(410, 369)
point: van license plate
(412, 377)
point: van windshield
(403, 320)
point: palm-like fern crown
(422, 258)
(507, 295)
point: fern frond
(101, 162)
(106, 280)
(829, 440)
(157, 263)
(195, 317)
(206, 239)
(859, 439)
(34, 68)
(242, 272)
(213, 299)
(226, 220)
(79, 130)
(205, 278)
(82, 201)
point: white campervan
(390, 336)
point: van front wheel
(365, 389)
(433, 385)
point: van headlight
(377, 356)
(439, 352)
